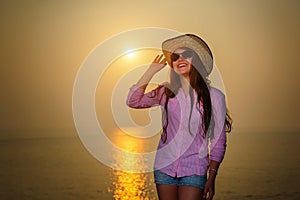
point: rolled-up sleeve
(137, 98)
(218, 140)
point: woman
(194, 120)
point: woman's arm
(209, 189)
(217, 142)
(158, 64)
(137, 97)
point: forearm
(213, 169)
(145, 78)
(158, 63)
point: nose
(180, 57)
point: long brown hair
(201, 87)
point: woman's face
(181, 60)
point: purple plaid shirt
(185, 152)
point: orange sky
(255, 45)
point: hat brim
(192, 42)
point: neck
(185, 84)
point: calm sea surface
(256, 166)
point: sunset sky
(255, 45)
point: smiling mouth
(182, 65)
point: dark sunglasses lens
(174, 56)
(187, 54)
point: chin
(182, 72)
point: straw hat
(193, 42)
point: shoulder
(216, 93)
(218, 102)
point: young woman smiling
(194, 120)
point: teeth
(181, 65)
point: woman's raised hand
(158, 63)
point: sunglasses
(185, 55)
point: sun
(130, 54)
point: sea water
(57, 166)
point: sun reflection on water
(135, 186)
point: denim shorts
(193, 180)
